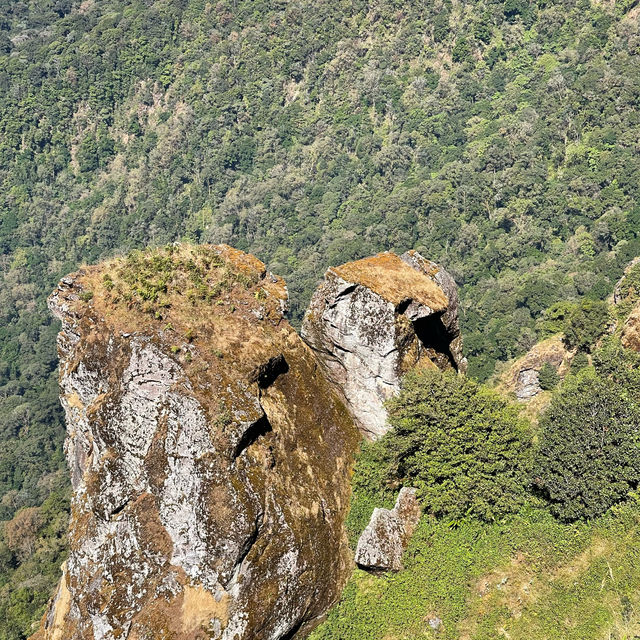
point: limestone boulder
(209, 457)
(387, 535)
(372, 320)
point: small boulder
(387, 535)
(435, 623)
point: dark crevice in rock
(402, 307)
(345, 292)
(374, 571)
(259, 428)
(118, 510)
(246, 548)
(267, 373)
(293, 631)
(435, 338)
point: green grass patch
(529, 577)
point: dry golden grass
(208, 304)
(394, 280)
(199, 607)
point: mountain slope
(500, 138)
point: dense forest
(499, 138)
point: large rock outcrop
(209, 456)
(522, 376)
(372, 320)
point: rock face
(372, 320)
(626, 300)
(622, 290)
(522, 377)
(387, 535)
(209, 456)
(631, 330)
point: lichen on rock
(372, 320)
(209, 456)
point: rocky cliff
(521, 377)
(372, 320)
(626, 306)
(209, 456)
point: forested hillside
(498, 138)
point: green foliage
(579, 362)
(30, 564)
(461, 51)
(369, 488)
(513, 8)
(589, 455)
(586, 323)
(461, 445)
(129, 123)
(525, 577)
(548, 377)
(555, 319)
(149, 279)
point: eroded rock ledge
(209, 456)
(372, 320)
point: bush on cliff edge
(589, 455)
(465, 448)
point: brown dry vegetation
(392, 279)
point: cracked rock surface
(210, 472)
(372, 320)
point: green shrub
(586, 324)
(589, 455)
(548, 377)
(460, 444)
(555, 319)
(579, 362)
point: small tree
(586, 324)
(548, 377)
(579, 362)
(21, 532)
(461, 444)
(461, 51)
(589, 455)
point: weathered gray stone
(210, 491)
(528, 384)
(372, 320)
(435, 623)
(387, 535)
